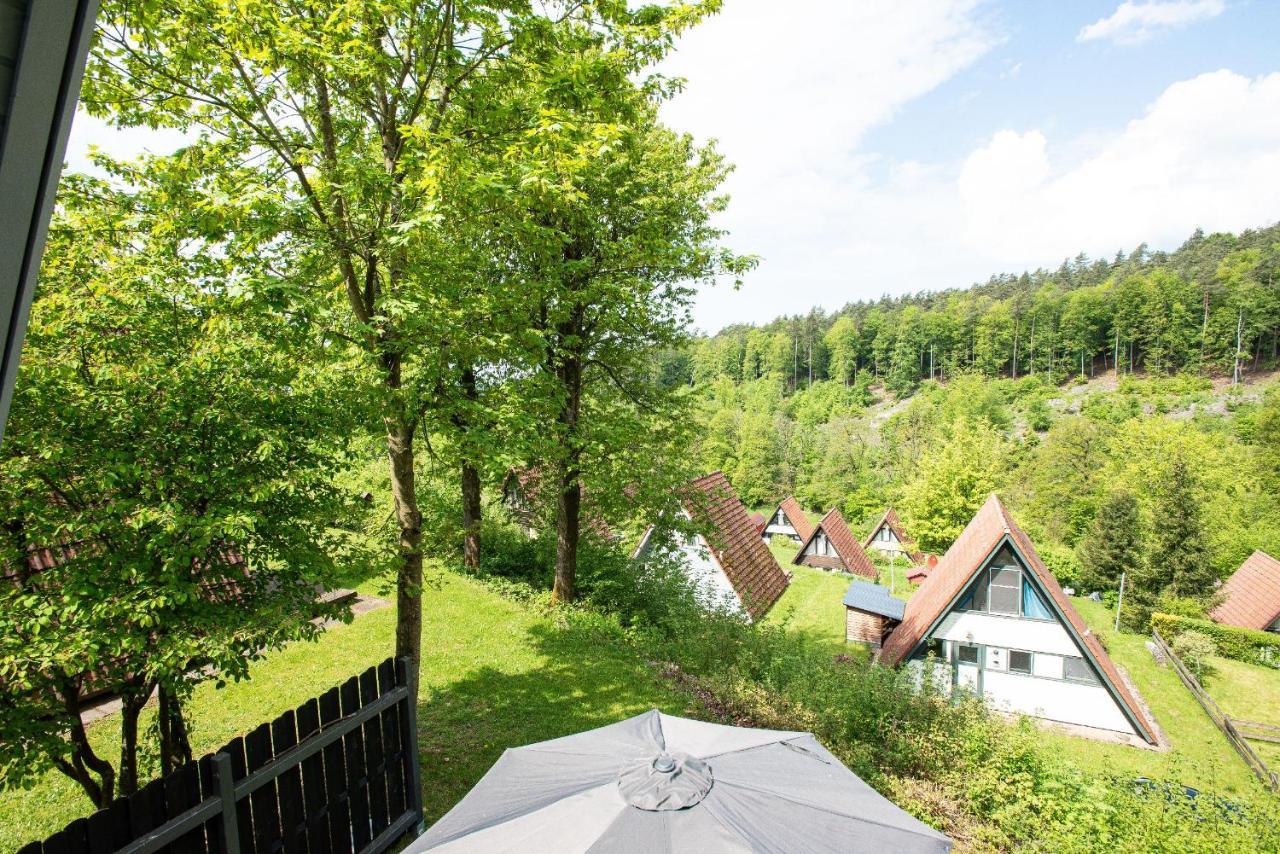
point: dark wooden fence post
(227, 795)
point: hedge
(1247, 645)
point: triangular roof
(846, 545)
(795, 515)
(735, 543)
(1252, 594)
(891, 519)
(990, 528)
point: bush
(1062, 562)
(1195, 649)
(1247, 645)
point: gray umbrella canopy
(659, 783)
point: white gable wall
(780, 524)
(712, 586)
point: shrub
(1195, 649)
(1062, 562)
(1247, 645)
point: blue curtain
(1032, 604)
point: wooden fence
(338, 774)
(1237, 731)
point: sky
(897, 146)
(894, 146)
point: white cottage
(789, 520)
(991, 618)
(888, 536)
(731, 567)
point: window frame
(1031, 662)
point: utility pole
(1120, 601)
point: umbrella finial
(665, 763)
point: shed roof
(735, 543)
(968, 554)
(1252, 594)
(846, 545)
(891, 519)
(874, 599)
(796, 516)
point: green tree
(1178, 536)
(842, 343)
(951, 483)
(174, 444)
(328, 135)
(1114, 543)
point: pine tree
(1114, 544)
(1179, 537)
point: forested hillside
(931, 402)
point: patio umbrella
(659, 783)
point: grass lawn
(813, 604)
(494, 674)
(1200, 755)
(1251, 693)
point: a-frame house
(730, 566)
(832, 545)
(992, 619)
(788, 519)
(888, 536)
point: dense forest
(1211, 305)
(929, 402)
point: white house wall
(1044, 694)
(712, 585)
(1009, 632)
(1068, 702)
(786, 530)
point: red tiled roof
(891, 519)
(1252, 594)
(847, 547)
(736, 545)
(966, 556)
(796, 516)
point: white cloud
(790, 90)
(1205, 153)
(1133, 23)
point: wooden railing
(338, 774)
(1233, 728)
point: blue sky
(891, 146)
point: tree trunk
(132, 702)
(175, 745)
(409, 574)
(569, 501)
(471, 511)
(470, 516)
(568, 518)
(84, 763)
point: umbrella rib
(820, 808)
(785, 742)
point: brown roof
(796, 516)
(979, 540)
(1252, 594)
(891, 519)
(736, 545)
(759, 521)
(846, 545)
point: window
(1005, 596)
(1075, 669)
(1019, 661)
(967, 654)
